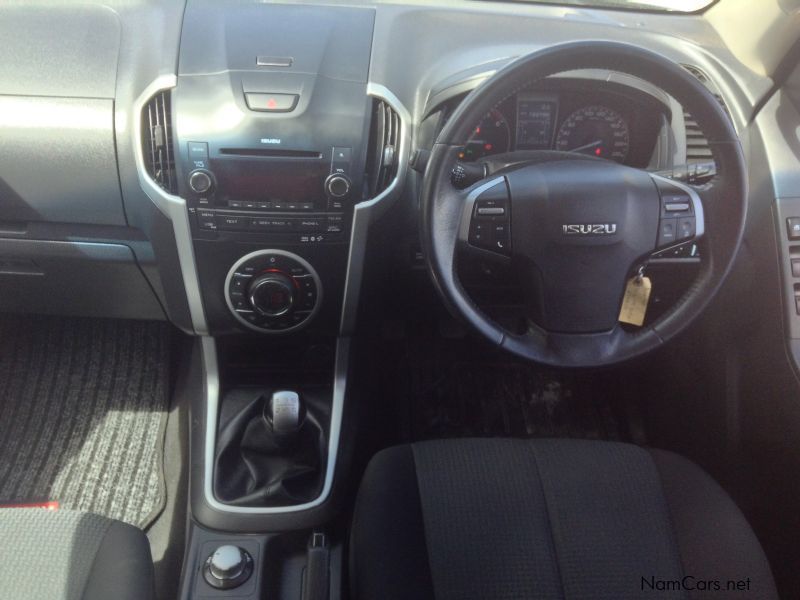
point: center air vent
(157, 146)
(383, 157)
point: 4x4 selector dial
(272, 294)
(201, 181)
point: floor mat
(459, 389)
(83, 406)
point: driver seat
(499, 518)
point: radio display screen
(536, 118)
(260, 180)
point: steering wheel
(574, 229)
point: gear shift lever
(284, 415)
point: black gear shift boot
(255, 465)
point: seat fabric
(70, 555)
(573, 519)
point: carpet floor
(83, 407)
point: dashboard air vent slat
(157, 141)
(384, 140)
(697, 148)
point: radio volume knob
(338, 186)
(200, 181)
(272, 294)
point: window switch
(797, 304)
(796, 267)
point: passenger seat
(70, 555)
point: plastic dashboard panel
(56, 116)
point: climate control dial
(272, 294)
(273, 291)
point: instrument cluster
(593, 118)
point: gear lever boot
(273, 450)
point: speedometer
(491, 136)
(596, 130)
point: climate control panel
(273, 291)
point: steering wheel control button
(489, 226)
(678, 222)
(271, 102)
(229, 567)
(685, 228)
(793, 228)
(273, 291)
(676, 206)
(667, 234)
(490, 211)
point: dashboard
(190, 135)
(602, 119)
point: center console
(271, 152)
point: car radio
(261, 190)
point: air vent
(384, 147)
(697, 148)
(159, 156)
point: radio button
(342, 154)
(198, 154)
(235, 203)
(271, 224)
(231, 223)
(206, 219)
(337, 186)
(335, 223)
(310, 225)
(200, 181)
(306, 206)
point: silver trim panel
(173, 207)
(363, 215)
(211, 370)
(366, 212)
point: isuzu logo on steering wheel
(589, 229)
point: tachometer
(596, 130)
(491, 136)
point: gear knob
(284, 414)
